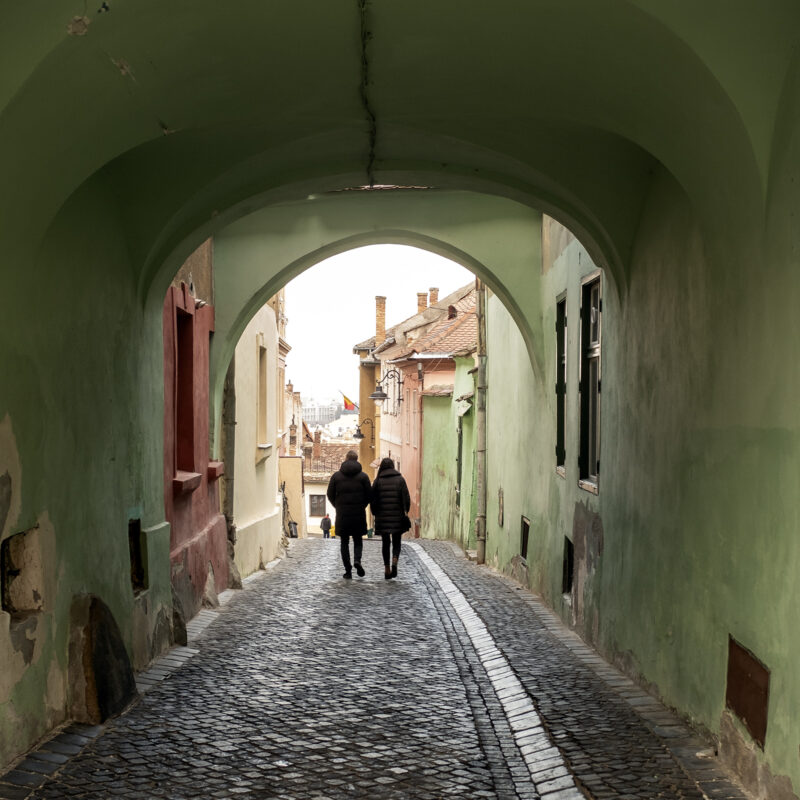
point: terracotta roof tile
(459, 298)
(439, 390)
(445, 335)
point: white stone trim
(548, 770)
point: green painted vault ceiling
(193, 113)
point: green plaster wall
(676, 161)
(437, 500)
(693, 535)
(257, 255)
(86, 423)
(441, 518)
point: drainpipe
(480, 424)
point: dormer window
(451, 312)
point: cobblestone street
(447, 682)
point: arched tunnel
(664, 136)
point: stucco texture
(257, 510)
(670, 145)
(443, 517)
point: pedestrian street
(449, 681)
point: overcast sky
(331, 307)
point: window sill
(216, 469)
(185, 482)
(263, 452)
(589, 486)
(561, 472)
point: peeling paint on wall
(587, 538)
(5, 498)
(10, 478)
(56, 694)
(79, 26)
(23, 638)
(24, 623)
(124, 67)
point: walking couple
(350, 493)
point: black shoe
(360, 570)
(348, 575)
(394, 569)
(387, 573)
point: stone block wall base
(745, 760)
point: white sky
(331, 307)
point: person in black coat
(325, 527)
(390, 504)
(349, 492)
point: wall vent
(525, 529)
(138, 573)
(568, 567)
(747, 691)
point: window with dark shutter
(591, 327)
(561, 383)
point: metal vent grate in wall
(747, 692)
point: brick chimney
(434, 293)
(422, 301)
(380, 320)
(289, 387)
(317, 445)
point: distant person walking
(390, 504)
(325, 525)
(349, 492)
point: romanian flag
(349, 405)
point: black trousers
(358, 547)
(395, 539)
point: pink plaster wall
(198, 529)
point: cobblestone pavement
(305, 686)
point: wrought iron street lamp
(359, 436)
(380, 394)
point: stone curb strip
(548, 770)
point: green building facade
(449, 500)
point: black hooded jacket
(390, 501)
(350, 493)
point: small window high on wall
(591, 328)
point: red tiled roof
(438, 391)
(425, 317)
(445, 335)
